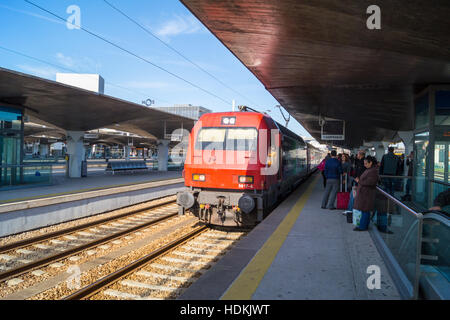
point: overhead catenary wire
(132, 53)
(72, 70)
(176, 51)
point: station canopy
(319, 58)
(52, 108)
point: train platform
(68, 199)
(299, 251)
(65, 186)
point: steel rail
(398, 202)
(398, 177)
(48, 236)
(106, 281)
(62, 255)
(440, 182)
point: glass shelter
(431, 144)
(13, 170)
(11, 142)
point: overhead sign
(333, 130)
(91, 135)
(148, 102)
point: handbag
(357, 217)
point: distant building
(91, 82)
(186, 110)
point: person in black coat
(359, 164)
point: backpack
(321, 166)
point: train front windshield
(234, 139)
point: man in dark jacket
(333, 171)
(389, 167)
(359, 164)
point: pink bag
(321, 165)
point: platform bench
(125, 166)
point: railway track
(27, 255)
(165, 272)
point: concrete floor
(323, 258)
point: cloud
(179, 25)
(83, 64)
(32, 14)
(65, 60)
(43, 72)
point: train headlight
(198, 177)
(245, 179)
(246, 203)
(228, 120)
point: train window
(211, 135)
(210, 138)
(240, 139)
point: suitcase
(343, 197)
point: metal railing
(398, 236)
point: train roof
(289, 133)
(285, 131)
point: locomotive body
(238, 165)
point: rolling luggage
(343, 197)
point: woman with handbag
(365, 194)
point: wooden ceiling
(318, 57)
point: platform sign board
(333, 130)
(91, 135)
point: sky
(31, 32)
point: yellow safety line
(248, 281)
(43, 196)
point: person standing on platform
(389, 167)
(365, 193)
(359, 164)
(346, 170)
(359, 170)
(410, 165)
(401, 164)
(333, 171)
(321, 168)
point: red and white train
(239, 164)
